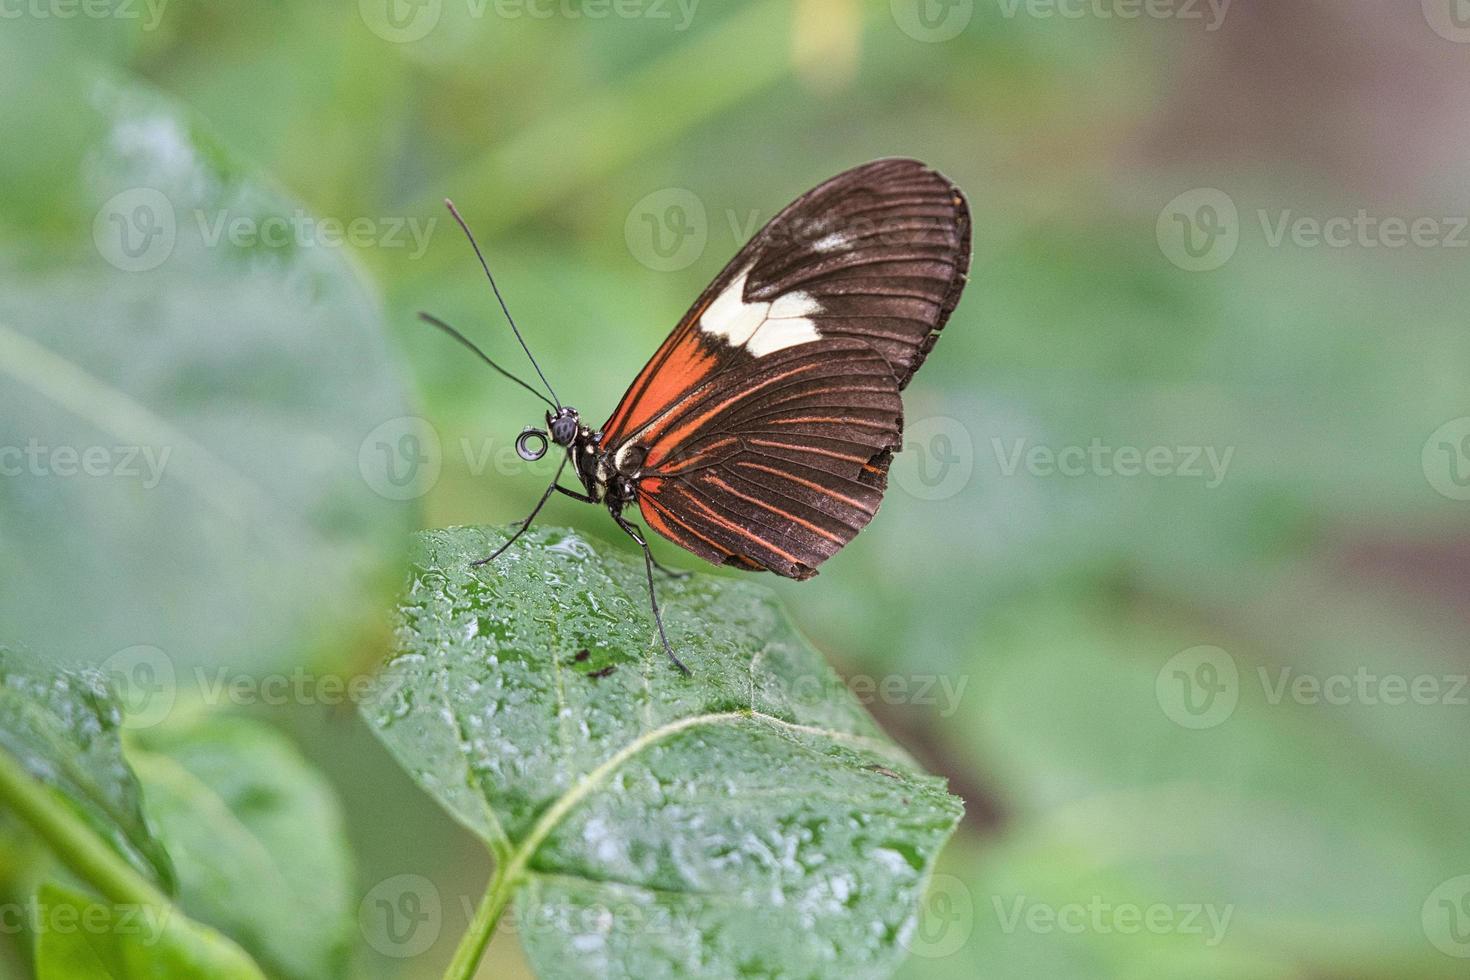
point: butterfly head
(562, 428)
(563, 424)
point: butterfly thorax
(597, 468)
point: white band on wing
(761, 327)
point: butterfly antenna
(504, 309)
(432, 320)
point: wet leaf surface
(748, 820)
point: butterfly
(760, 433)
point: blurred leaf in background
(66, 785)
(199, 405)
(258, 839)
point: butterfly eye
(531, 444)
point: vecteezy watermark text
(940, 692)
(403, 916)
(1199, 688)
(137, 230)
(150, 12)
(142, 463)
(1207, 463)
(934, 21)
(406, 21)
(1363, 686)
(1200, 230)
(1102, 917)
(307, 231)
(1210, 12)
(33, 916)
(402, 458)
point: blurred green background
(1170, 581)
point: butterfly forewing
(759, 434)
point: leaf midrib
(513, 870)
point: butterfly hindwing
(782, 465)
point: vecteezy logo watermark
(938, 458)
(1445, 917)
(402, 916)
(401, 458)
(142, 463)
(667, 229)
(135, 230)
(145, 682)
(400, 21)
(1210, 12)
(1446, 459)
(1450, 19)
(1102, 917)
(1199, 230)
(1206, 463)
(148, 686)
(302, 230)
(946, 919)
(1198, 688)
(404, 21)
(932, 21)
(150, 12)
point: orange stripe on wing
(682, 357)
(807, 483)
(776, 510)
(662, 445)
(698, 458)
(687, 365)
(864, 423)
(658, 518)
(808, 449)
(737, 529)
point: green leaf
(749, 820)
(191, 372)
(63, 776)
(62, 728)
(258, 840)
(85, 939)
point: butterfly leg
(525, 523)
(648, 563)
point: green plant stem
(92, 860)
(492, 906)
(73, 841)
(510, 868)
